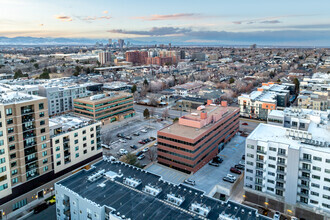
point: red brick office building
(197, 137)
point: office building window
(41, 106)
(9, 111)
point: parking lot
(210, 178)
(131, 132)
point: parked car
(133, 147)
(141, 157)
(243, 157)
(155, 144)
(147, 140)
(144, 131)
(136, 134)
(40, 208)
(152, 138)
(190, 182)
(145, 149)
(142, 142)
(277, 215)
(128, 137)
(235, 170)
(139, 153)
(123, 151)
(217, 159)
(245, 123)
(240, 166)
(120, 135)
(227, 179)
(214, 164)
(231, 176)
(122, 141)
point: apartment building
(115, 190)
(107, 107)
(197, 137)
(25, 152)
(60, 95)
(314, 92)
(288, 163)
(73, 140)
(270, 96)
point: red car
(142, 142)
(244, 123)
(235, 170)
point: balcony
(280, 171)
(281, 163)
(29, 134)
(30, 160)
(27, 111)
(308, 160)
(281, 154)
(261, 168)
(303, 186)
(279, 187)
(304, 169)
(261, 151)
(280, 180)
(32, 175)
(27, 119)
(304, 178)
(30, 144)
(306, 195)
(259, 184)
(260, 160)
(29, 151)
(66, 140)
(28, 128)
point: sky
(213, 22)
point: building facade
(197, 137)
(60, 98)
(73, 139)
(107, 107)
(25, 152)
(287, 165)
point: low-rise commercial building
(287, 163)
(107, 107)
(74, 139)
(197, 137)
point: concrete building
(73, 139)
(121, 43)
(25, 152)
(197, 137)
(60, 96)
(198, 56)
(115, 190)
(137, 57)
(107, 107)
(104, 57)
(287, 165)
(269, 97)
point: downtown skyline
(280, 23)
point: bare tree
(165, 113)
(152, 154)
(152, 111)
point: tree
(45, 74)
(232, 80)
(130, 159)
(36, 66)
(297, 84)
(19, 74)
(145, 82)
(152, 154)
(165, 113)
(146, 113)
(133, 89)
(175, 119)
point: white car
(141, 157)
(123, 151)
(145, 149)
(144, 131)
(231, 176)
(122, 141)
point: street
(49, 214)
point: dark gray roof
(136, 204)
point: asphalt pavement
(159, 111)
(49, 214)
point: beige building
(73, 140)
(24, 143)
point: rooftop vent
(133, 182)
(152, 190)
(175, 199)
(96, 176)
(200, 209)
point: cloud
(105, 12)
(270, 22)
(155, 31)
(63, 18)
(175, 34)
(90, 18)
(169, 17)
